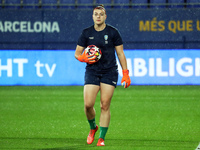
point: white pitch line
(198, 147)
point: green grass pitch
(142, 118)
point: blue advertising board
(164, 67)
(40, 68)
(147, 67)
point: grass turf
(142, 118)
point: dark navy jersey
(106, 40)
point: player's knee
(88, 106)
(105, 106)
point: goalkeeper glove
(90, 59)
(126, 81)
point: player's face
(99, 16)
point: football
(92, 49)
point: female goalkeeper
(101, 75)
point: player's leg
(90, 93)
(106, 96)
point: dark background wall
(60, 28)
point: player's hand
(126, 81)
(88, 59)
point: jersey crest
(106, 39)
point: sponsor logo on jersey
(106, 38)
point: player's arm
(121, 56)
(122, 59)
(79, 51)
(81, 55)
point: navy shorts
(109, 77)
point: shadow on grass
(75, 143)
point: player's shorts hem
(115, 85)
(91, 84)
(95, 78)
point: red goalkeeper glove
(126, 81)
(90, 59)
